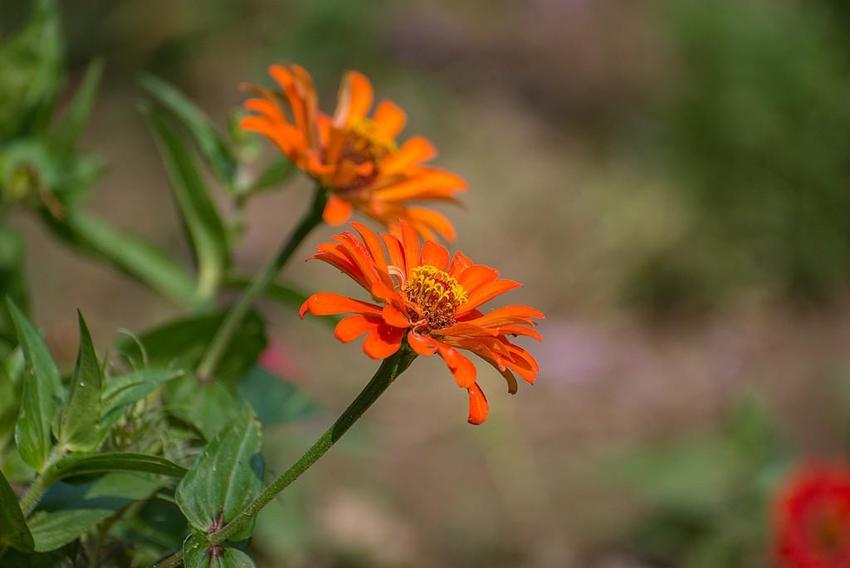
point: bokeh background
(671, 181)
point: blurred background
(671, 181)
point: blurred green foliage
(756, 125)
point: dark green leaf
(200, 216)
(129, 254)
(274, 400)
(41, 394)
(276, 173)
(79, 429)
(68, 131)
(226, 476)
(9, 398)
(212, 146)
(13, 527)
(12, 281)
(126, 390)
(206, 406)
(182, 343)
(83, 464)
(198, 554)
(54, 530)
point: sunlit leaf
(83, 464)
(226, 476)
(41, 393)
(200, 216)
(79, 427)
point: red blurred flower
(813, 518)
(431, 300)
(353, 155)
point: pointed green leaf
(83, 464)
(274, 399)
(129, 254)
(199, 554)
(126, 390)
(69, 129)
(52, 530)
(41, 393)
(79, 430)
(13, 527)
(200, 216)
(212, 146)
(226, 476)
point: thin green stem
(218, 345)
(41, 483)
(391, 368)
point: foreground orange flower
(352, 155)
(434, 302)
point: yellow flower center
(436, 294)
(364, 143)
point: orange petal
(414, 151)
(373, 243)
(486, 293)
(337, 211)
(327, 304)
(394, 317)
(383, 340)
(461, 367)
(460, 262)
(352, 327)
(421, 344)
(478, 407)
(435, 255)
(354, 100)
(430, 184)
(410, 244)
(476, 276)
(434, 220)
(389, 119)
(395, 251)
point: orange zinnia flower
(432, 301)
(352, 155)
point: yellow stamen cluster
(364, 144)
(436, 294)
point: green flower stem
(234, 317)
(390, 368)
(41, 483)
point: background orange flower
(353, 155)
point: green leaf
(9, 398)
(200, 216)
(68, 131)
(126, 390)
(13, 526)
(54, 530)
(79, 430)
(84, 464)
(276, 173)
(30, 61)
(226, 476)
(198, 554)
(12, 280)
(212, 146)
(41, 394)
(129, 254)
(206, 406)
(181, 343)
(274, 400)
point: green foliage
(41, 394)
(13, 527)
(201, 219)
(226, 476)
(707, 497)
(79, 429)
